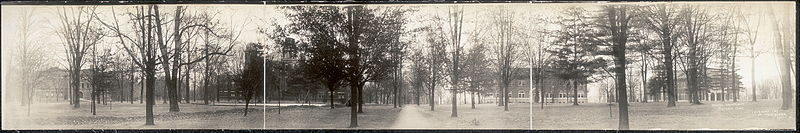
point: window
(521, 95)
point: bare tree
(617, 20)
(697, 26)
(142, 46)
(505, 51)
(784, 41)
(436, 57)
(78, 32)
(29, 59)
(171, 53)
(751, 32)
(418, 74)
(663, 20)
(728, 42)
(455, 20)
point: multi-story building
(54, 86)
(554, 90)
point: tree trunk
(454, 113)
(76, 85)
(505, 96)
(622, 97)
(206, 73)
(132, 81)
(360, 98)
(644, 78)
(671, 90)
(331, 95)
(692, 79)
(783, 41)
(187, 80)
(394, 93)
(142, 86)
(433, 89)
(541, 89)
(69, 95)
(246, 105)
(753, 72)
(416, 95)
(353, 103)
(94, 98)
(150, 83)
(723, 91)
(619, 20)
(733, 74)
(553, 95)
(178, 85)
(472, 98)
(575, 92)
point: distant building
(54, 86)
(711, 87)
(555, 90)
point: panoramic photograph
(517, 66)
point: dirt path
(410, 118)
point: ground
(710, 115)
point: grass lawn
(710, 115)
(192, 116)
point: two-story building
(554, 90)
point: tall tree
(663, 20)
(79, 32)
(698, 31)
(364, 36)
(324, 52)
(250, 75)
(574, 48)
(784, 40)
(141, 47)
(369, 34)
(101, 76)
(616, 22)
(170, 56)
(436, 58)
(475, 72)
(505, 51)
(644, 47)
(419, 73)
(455, 20)
(29, 58)
(728, 42)
(751, 32)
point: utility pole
(264, 88)
(530, 87)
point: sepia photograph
(426, 66)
